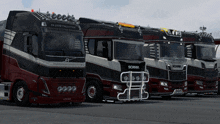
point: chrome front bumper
(135, 89)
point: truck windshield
(172, 50)
(206, 52)
(128, 51)
(63, 41)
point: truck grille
(177, 76)
(67, 73)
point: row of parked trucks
(48, 58)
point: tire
(21, 94)
(94, 91)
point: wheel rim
(91, 91)
(20, 93)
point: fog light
(59, 89)
(73, 88)
(201, 87)
(64, 89)
(69, 88)
(137, 78)
(125, 78)
(144, 78)
(199, 82)
(166, 89)
(185, 88)
(117, 87)
(133, 78)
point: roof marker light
(64, 17)
(164, 29)
(54, 15)
(126, 25)
(32, 10)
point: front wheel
(93, 91)
(21, 94)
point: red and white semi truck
(115, 67)
(42, 58)
(165, 61)
(202, 70)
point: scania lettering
(114, 60)
(40, 62)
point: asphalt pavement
(177, 110)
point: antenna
(202, 28)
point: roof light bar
(54, 16)
(126, 25)
(59, 16)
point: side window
(104, 49)
(100, 48)
(91, 46)
(31, 44)
(27, 43)
(35, 45)
(109, 49)
(99, 51)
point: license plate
(176, 91)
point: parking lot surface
(177, 110)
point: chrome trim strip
(43, 62)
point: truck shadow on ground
(64, 105)
(133, 102)
(202, 96)
(173, 98)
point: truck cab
(165, 61)
(42, 59)
(202, 65)
(115, 69)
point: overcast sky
(186, 15)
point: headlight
(199, 82)
(185, 83)
(59, 89)
(117, 87)
(216, 83)
(64, 89)
(162, 83)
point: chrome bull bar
(135, 90)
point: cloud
(186, 15)
(8, 5)
(182, 14)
